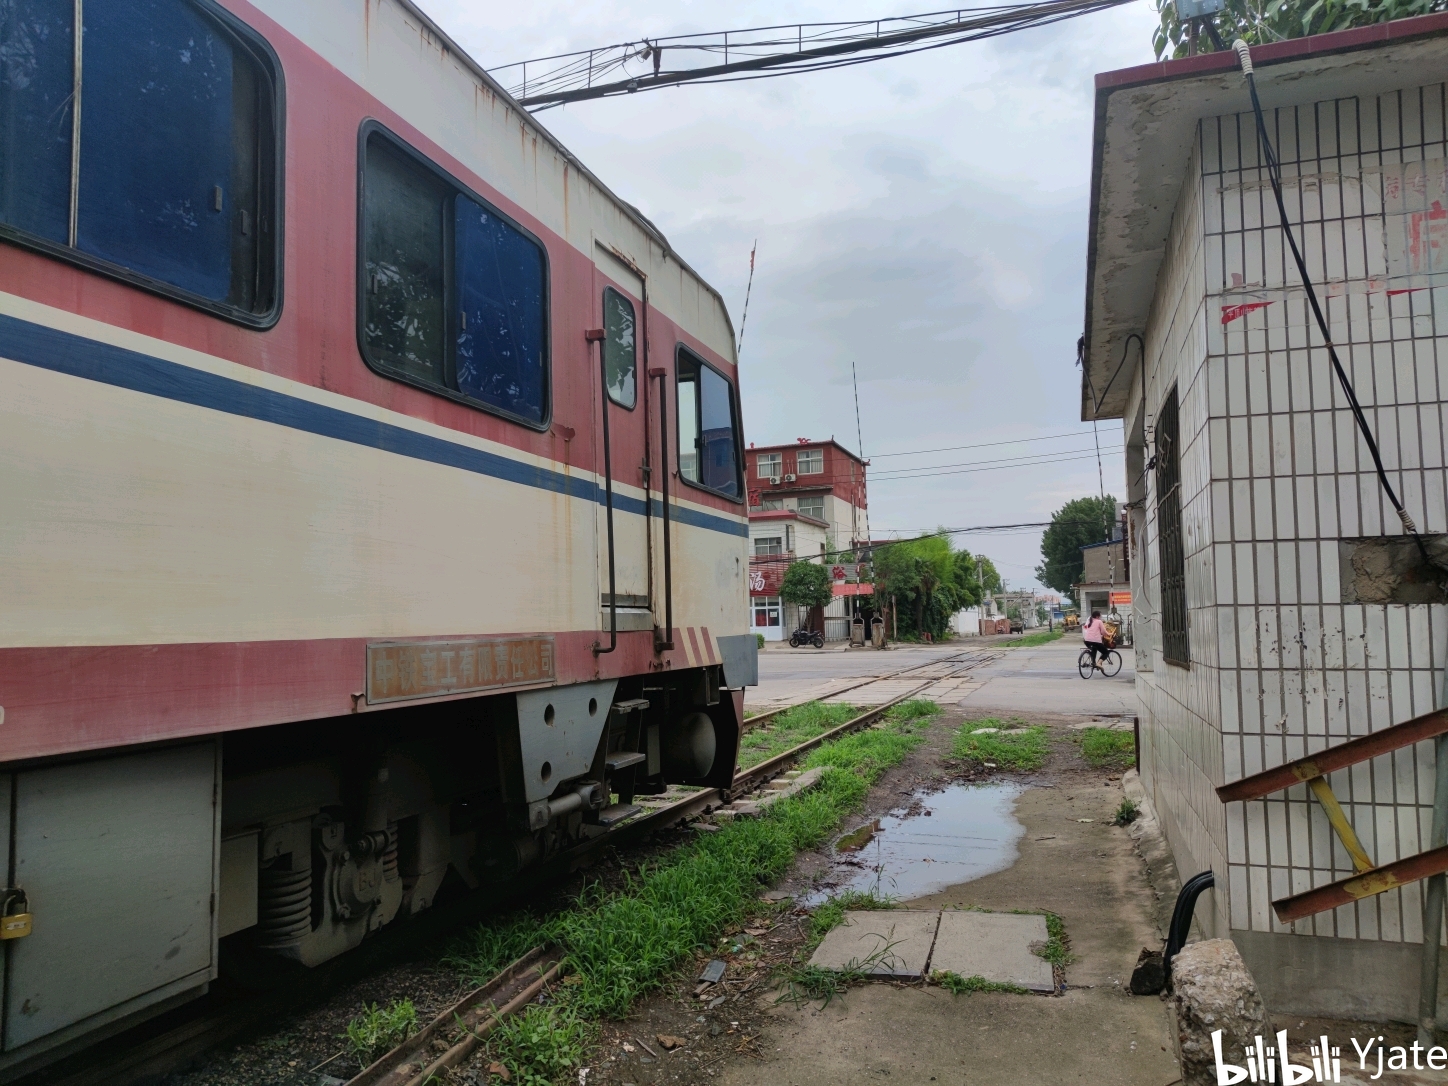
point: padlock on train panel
(15, 917)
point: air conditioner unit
(789, 478)
(774, 480)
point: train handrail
(668, 642)
(595, 335)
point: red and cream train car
(371, 516)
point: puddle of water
(937, 840)
(853, 842)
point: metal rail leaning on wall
(1369, 879)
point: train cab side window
(620, 351)
(167, 176)
(708, 427)
(454, 295)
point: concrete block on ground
(886, 943)
(740, 808)
(803, 783)
(1213, 990)
(995, 946)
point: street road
(1040, 679)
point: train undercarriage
(349, 824)
(285, 846)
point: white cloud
(923, 217)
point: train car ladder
(1369, 879)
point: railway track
(983, 656)
(463, 1026)
(170, 1043)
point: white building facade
(1249, 488)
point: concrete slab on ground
(896, 942)
(994, 946)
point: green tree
(1258, 22)
(928, 582)
(806, 584)
(1073, 526)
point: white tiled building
(1266, 659)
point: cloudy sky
(922, 218)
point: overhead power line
(992, 466)
(983, 445)
(1053, 455)
(764, 52)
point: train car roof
(321, 33)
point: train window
(708, 427)
(454, 295)
(620, 354)
(404, 328)
(501, 288)
(168, 180)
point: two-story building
(806, 501)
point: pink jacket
(1095, 630)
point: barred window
(1175, 642)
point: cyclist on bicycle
(1094, 634)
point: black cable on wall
(1274, 175)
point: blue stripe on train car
(63, 352)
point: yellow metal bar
(1323, 791)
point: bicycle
(1110, 664)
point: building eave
(1145, 122)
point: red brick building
(806, 500)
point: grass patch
(1042, 638)
(955, 984)
(380, 1029)
(791, 729)
(540, 1045)
(1057, 950)
(1107, 748)
(1022, 750)
(621, 944)
(1127, 813)
(916, 711)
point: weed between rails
(1023, 750)
(1108, 748)
(620, 944)
(791, 729)
(380, 1029)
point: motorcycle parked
(802, 637)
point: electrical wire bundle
(767, 51)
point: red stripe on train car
(713, 657)
(60, 700)
(698, 657)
